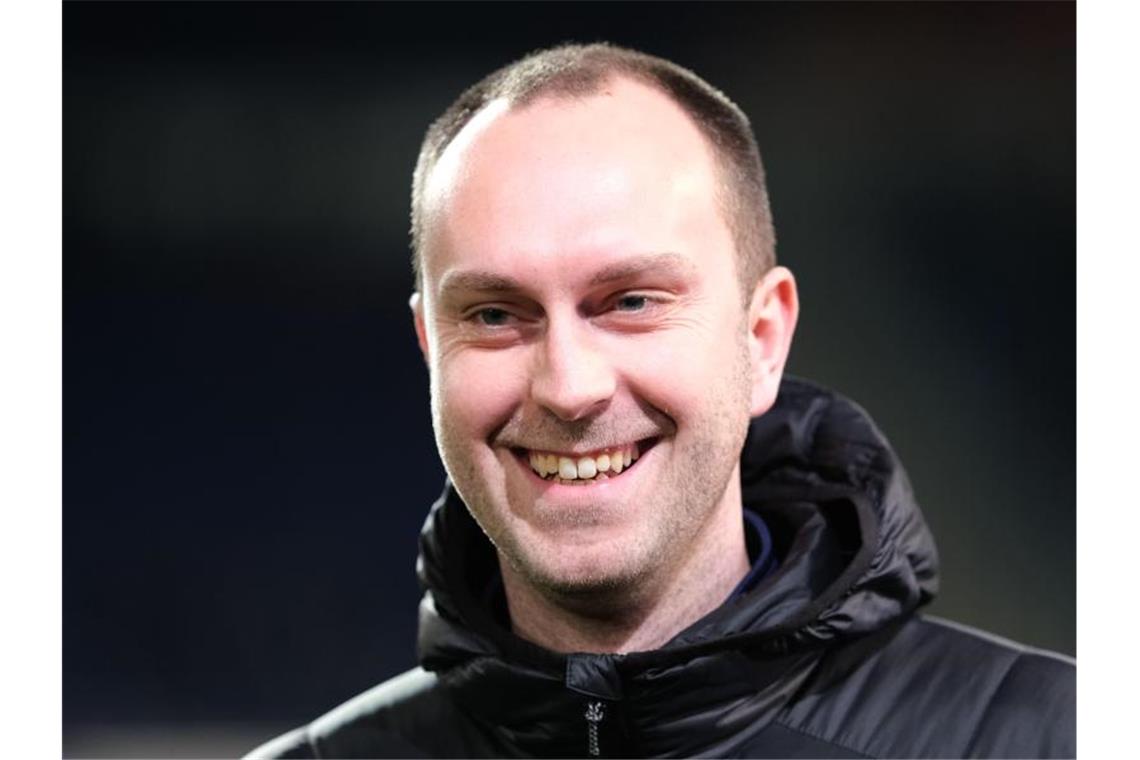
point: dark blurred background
(247, 446)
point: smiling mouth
(584, 469)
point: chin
(569, 569)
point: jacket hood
(855, 557)
(855, 552)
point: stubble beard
(692, 486)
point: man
(652, 543)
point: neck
(644, 616)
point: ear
(416, 303)
(772, 316)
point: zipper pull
(595, 711)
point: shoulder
(1030, 699)
(402, 717)
(936, 688)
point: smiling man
(651, 542)
(577, 305)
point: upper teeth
(579, 467)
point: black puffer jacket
(824, 658)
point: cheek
(685, 372)
(477, 391)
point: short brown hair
(580, 71)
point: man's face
(580, 301)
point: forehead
(621, 172)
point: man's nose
(573, 378)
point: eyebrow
(670, 264)
(478, 280)
(673, 264)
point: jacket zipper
(595, 711)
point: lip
(593, 493)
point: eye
(631, 302)
(492, 317)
